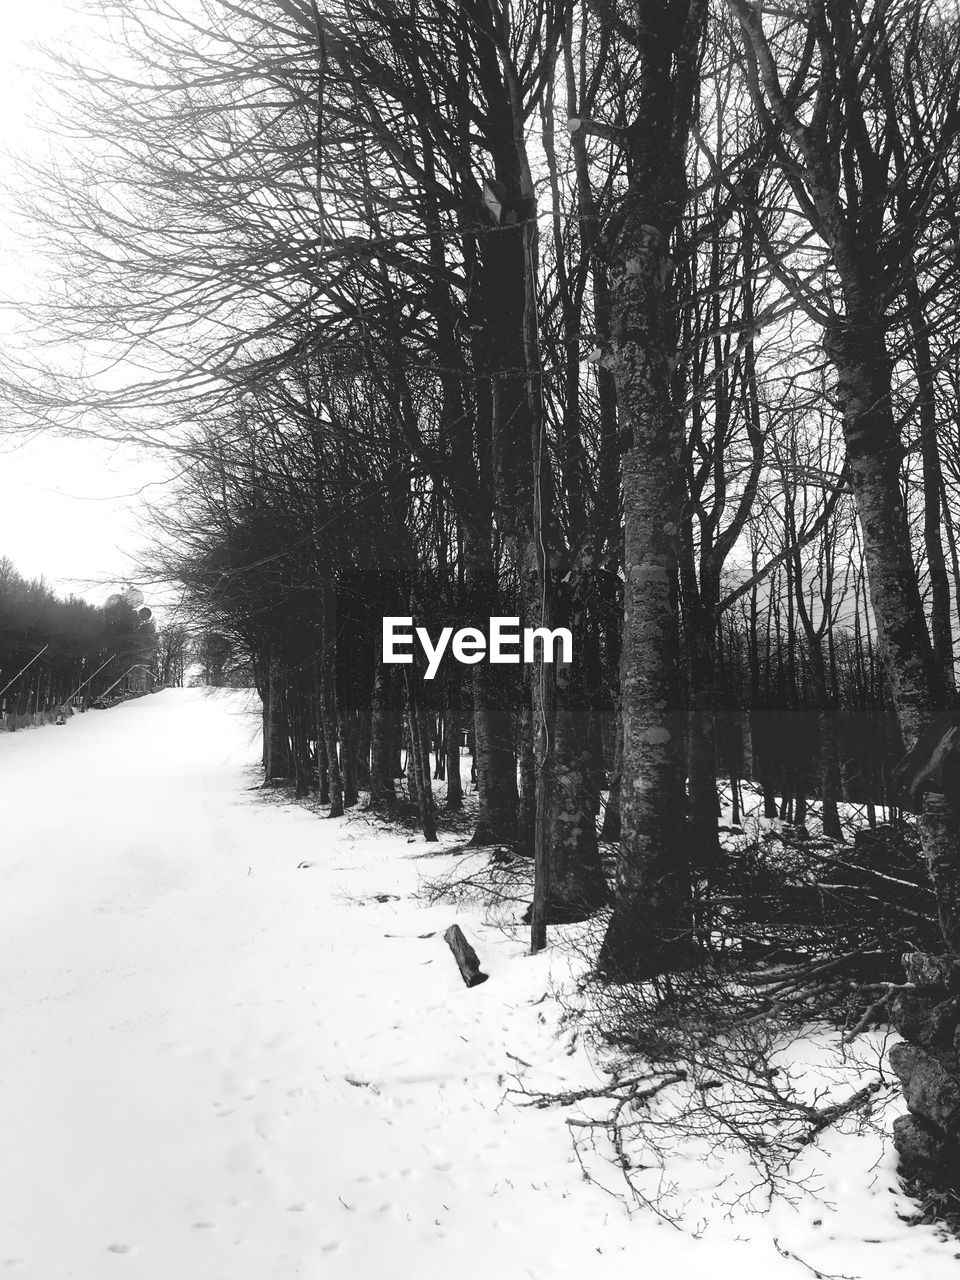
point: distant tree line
(53, 650)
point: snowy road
(219, 1064)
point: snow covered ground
(222, 1058)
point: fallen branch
(613, 1091)
(830, 1115)
(465, 956)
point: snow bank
(220, 1064)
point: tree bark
(858, 350)
(452, 738)
(528, 777)
(650, 925)
(328, 697)
(647, 917)
(382, 790)
(412, 774)
(494, 753)
(577, 886)
(611, 814)
(939, 825)
(278, 741)
(419, 756)
(349, 765)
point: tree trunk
(299, 739)
(382, 790)
(440, 751)
(349, 759)
(577, 886)
(494, 753)
(647, 916)
(831, 785)
(650, 920)
(420, 753)
(328, 697)
(939, 826)
(364, 731)
(528, 777)
(611, 814)
(278, 742)
(410, 765)
(322, 769)
(453, 734)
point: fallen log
(465, 956)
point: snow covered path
(219, 1064)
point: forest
(633, 319)
(56, 653)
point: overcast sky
(68, 508)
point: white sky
(68, 508)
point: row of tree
(53, 651)
(638, 320)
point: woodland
(56, 652)
(635, 319)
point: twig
(794, 1257)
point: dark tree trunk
(323, 769)
(278, 740)
(941, 620)
(410, 765)
(528, 777)
(647, 914)
(611, 814)
(299, 737)
(452, 738)
(599, 780)
(349, 759)
(494, 755)
(328, 698)
(831, 783)
(382, 790)
(495, 758)
(420, 753)
(398, 731)
(364, 732)
(650, 924)
(576, 883)
(439, 753)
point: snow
(222, 1058)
